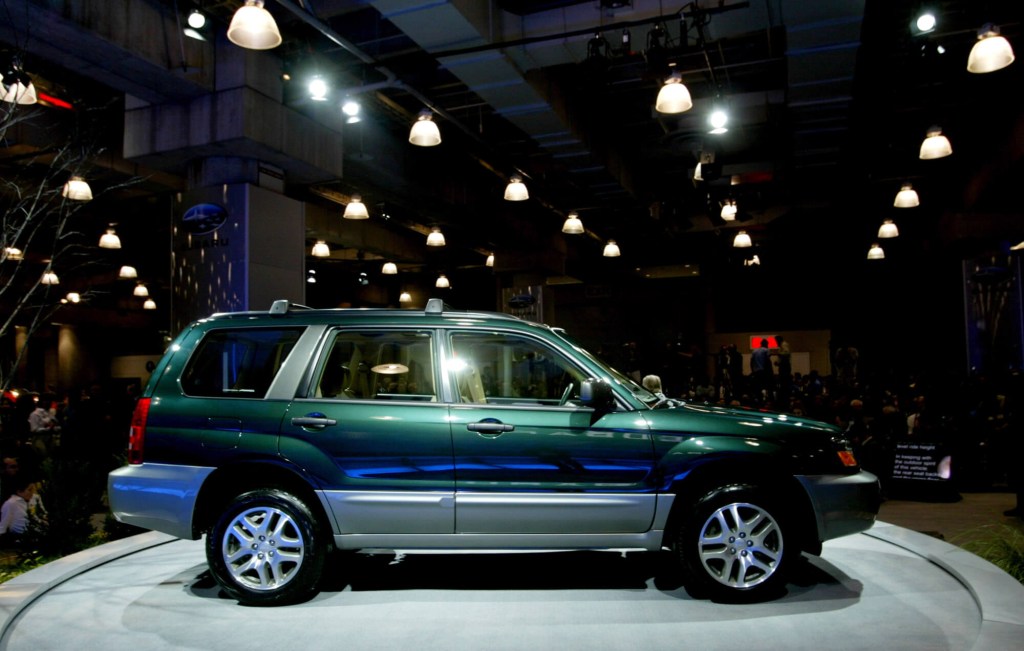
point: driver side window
(506, 368)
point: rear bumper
(155, 496)
(844, 504)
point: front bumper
(156, 496)
(843, 504)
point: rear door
(374, 433)
(528, 458)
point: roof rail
(282, 305)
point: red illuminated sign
(755, 341)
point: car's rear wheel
(737, 544)
(266, 549)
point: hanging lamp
(389, 269)
(888, 230)
(876, 253)
(140, 290)
(321, 250)
(742, 240)
(127, 271)
(76, 189)
(729, 210)
(935, 145)
(611, 249)
(20, 89)
(490, 260)
(253, 28)
(436, 237)
(442, 282)
(110, 240)
(50, 278)
(906, 197)
(573, 225)
(674, 96)
(991, 51)
(424, 131)
(516, 189)
(356, 209)
(149, 304)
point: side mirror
(597, 394)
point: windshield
(623, 380)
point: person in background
(14, 514)
(761, 372)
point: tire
(737, 544)
(266, 549)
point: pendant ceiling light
(742, 240)
(12, 253)
(50, 278)
(888, 230)
(573, 225)
(72, 297)
(405, 297)
(140, 290)
(321, 250)
(674, 96)
(389, 269)
(611, 249)
(876, 253)
(490, 260)
(128, 271)
(991, 52)
(424, 132)
(110, 240)
(752, 261)
(935, 145)
(150, 304)
(356, 209)
(253, 28)
(906, 197)
(17, 86)
(516, 189)
(729, 210)
(442, 282)
(76, 189)
(435, 238)
(311, 277)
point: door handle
(314, 421)
(490, 426)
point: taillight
(847, 458)
(137, 432)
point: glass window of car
(238, 363)
(508, 368)
(378, 365)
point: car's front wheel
(736, 544)
(265, 548)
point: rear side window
(238, 363)
(363, 365)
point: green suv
(286, 434)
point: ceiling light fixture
(76, 189)
(73, 297)
(140, 290)
(674, 96)
(991, 52)
(13, 253)
(742, 240)
(752, 261)
(516, 189)
(253, 28)
(573, 225)
(611, 249)
(110, 240)
(887, 230)
(128, 271)
(876, 253)
(311, 277)
(490, 260)
(424, 132)
(935, 145)
(729, 210)
(435, 238)
(50, 278)
(442, 282)
(351, 109)
(718, 120)
(318, 89)
(924, 23)
(906, 197)
(321, 250)
(356, 209)
(196, 21)
(389, 269)
(150, 304)
(20, 89)
(405, 297)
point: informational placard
(921, 461)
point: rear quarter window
(238, 363)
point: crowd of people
(88, 426)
